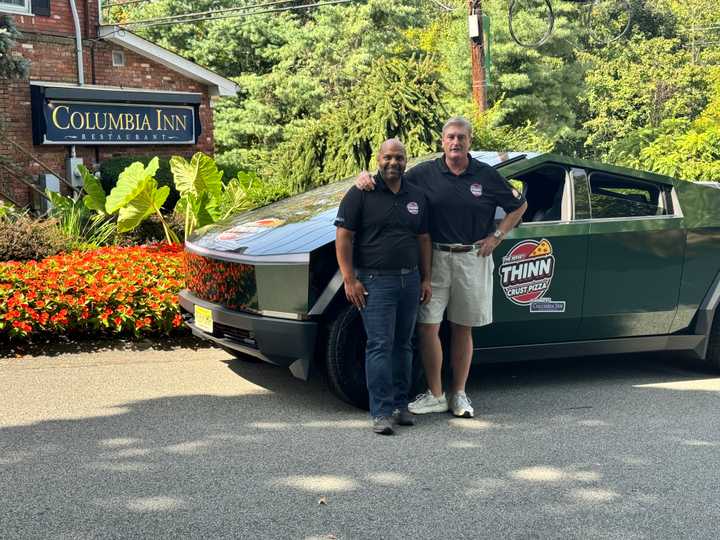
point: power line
(121, 3)
(210, 11)
(233, 13)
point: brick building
(137, 98)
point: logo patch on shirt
(413, 208)
(476, 189)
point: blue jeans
(389, 318)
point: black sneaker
(403, 417)
(382, 425)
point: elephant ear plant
(199, 183)
(137, 196)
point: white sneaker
(460, 405)
(428, 403)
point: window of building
(614, 197)
(15, 6)
(118, 58)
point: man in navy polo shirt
(463, 194)
(384, 251)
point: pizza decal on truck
(526, 274)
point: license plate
(204, 319)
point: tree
(686, 149)
(638, 86)
(399, 98)
(11, 67)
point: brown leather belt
(455, 248)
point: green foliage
(95, 198)
(110, 170)
(5, 210)
(11, 67)
(85, 228)
(690, 151)
(23, 238)
(318, 91)
(136, 196)
(399, 98)
(639, 86)
(199, 183)
(490, 134)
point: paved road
(187, 442)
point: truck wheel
(713, 352)
(345, 358)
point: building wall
(60, 21)
(49, 44)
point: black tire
(345, 357)
(712, 358)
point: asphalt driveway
(148, 442)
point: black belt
(387, 271)
(455, 248)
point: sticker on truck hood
(248, 229)
(526, 274)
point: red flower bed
(114, 290)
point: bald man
(384, 253)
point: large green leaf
(131, 214)
(197, 176)
(61, 204)
(203, 210)
(95, 198)
(131, 182)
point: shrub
(110, 170)
(151, 231)
(108, 291)
(23, 238)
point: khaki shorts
(462, 283)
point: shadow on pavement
(571, 449)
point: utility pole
(477, 49)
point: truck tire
(345, 357)
(713, 353)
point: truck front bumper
(283, 342)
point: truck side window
(614, 197)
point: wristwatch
(498, 234)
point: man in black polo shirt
(463, 194)
(384, 250)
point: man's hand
(487, 245)
(364, 181)
(355, 293)
(425, 292)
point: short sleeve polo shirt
(463, 206)
(386, 225)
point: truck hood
(290, 229)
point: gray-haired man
(463, 194)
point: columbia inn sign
(100, 122)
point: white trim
(16, 10)
(118, 58)
(107, 87)
(219, 86)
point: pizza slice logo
(543, 248)
(527, 271)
